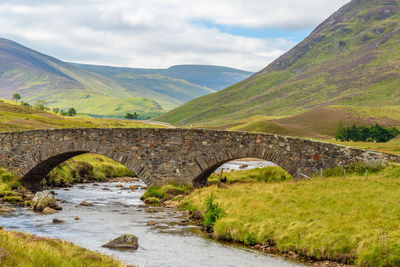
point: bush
(212, 211)
(374, 133)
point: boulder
(44, 199)
(85, 203)
(196, 215)
(48, 210)
(171, 204)
(55, 220)
(123, 242)
(133, 187)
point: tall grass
(267, 174)
(87, 167)
(352, 220)
(23, 250)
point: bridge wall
(159, 156)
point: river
(117, 211)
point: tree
(22, 103)
(40, 105)
(71, 112)
(375, 133)
(131, 116)
(16, 97)
(56, 110)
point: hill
(99, 90)
(351, 60)
(18, 118)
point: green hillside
(18, 118)
(101, 90)
(351, 60)
(168, 91)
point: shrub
(248, 239)
(212, 212)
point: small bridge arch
(159, 156)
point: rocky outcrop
(123, 242)
(44, 199)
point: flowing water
(117, 211)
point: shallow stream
(117, 211)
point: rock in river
(48, 210)
(44, 199)
(85, 203)
(123, 242)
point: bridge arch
(43, 160)
(207, 165)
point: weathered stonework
(159, 156)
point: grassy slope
(353, 219)
(16, 118)
(349, 60)
(23, 250)
(318, 123)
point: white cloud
(158, 33)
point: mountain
(351, 60)
(173, 86)
(100, 90)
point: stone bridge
(159, 156)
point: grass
(351, 220)
(24, 250)
(86, 167)
(156, 194)
(267, 174)
(392, 147)
(17, 118)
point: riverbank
(348, 221)
(25, 250)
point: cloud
(159, 33)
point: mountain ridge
(350, 59)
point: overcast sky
(246, 34)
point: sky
(160, 33)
